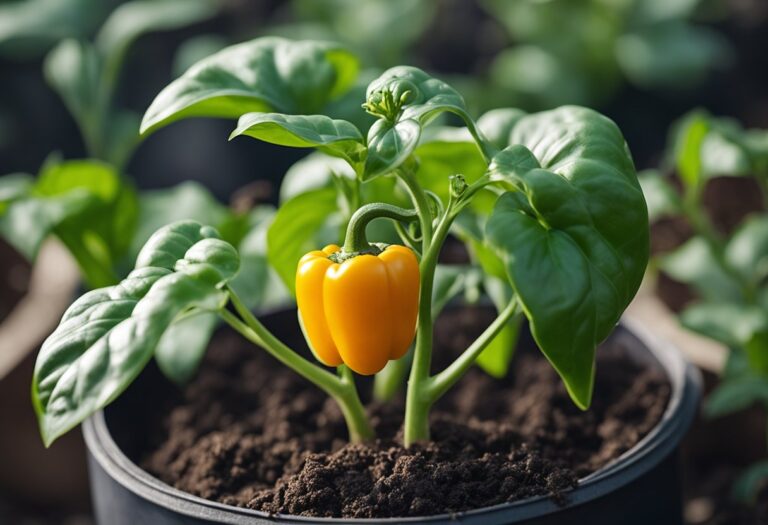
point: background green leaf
(301, 225)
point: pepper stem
(355, 240)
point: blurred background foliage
(643, 62)
(77, 74)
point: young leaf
(296, 230)
(688, 139)
(416, 95)
(389, 145)
(573, 236)
(182, 347)
(107, 336)
(338, 138)
(407, 99)
(266, 75)
(497, 356)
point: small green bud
(458, 185)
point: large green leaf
(107, 336)
(497, 124)
(573, 234)
(267, 75)
(338, 138)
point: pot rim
(685, 381)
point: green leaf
(756, 349)
(747, 249)
(441, 157)
(389, 145)
(497, 356)
(137, 17)
(735, 394)
(73, 69)
(300, 226)
(688, 138)
(449, 282)
(186, 201)
(673, 55)
(694, 264)
(406, 99)
(29, 27)
(660, 196)
(573, 236)
(70, 190)
(107, 336)
(511, 164)
(266, 75)
(747, 486)
(182, 346)
(497, 124)
(316, 170)
(732, 324)
(257, 284)
(419, 96)
(338, 138)
(723, 156)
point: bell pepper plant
(548, 205)
(727, 272)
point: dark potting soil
(250, 433)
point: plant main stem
(418, 400)
(341, 389)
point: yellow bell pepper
(360, 312)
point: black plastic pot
(640, 487)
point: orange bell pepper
(360, 312)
